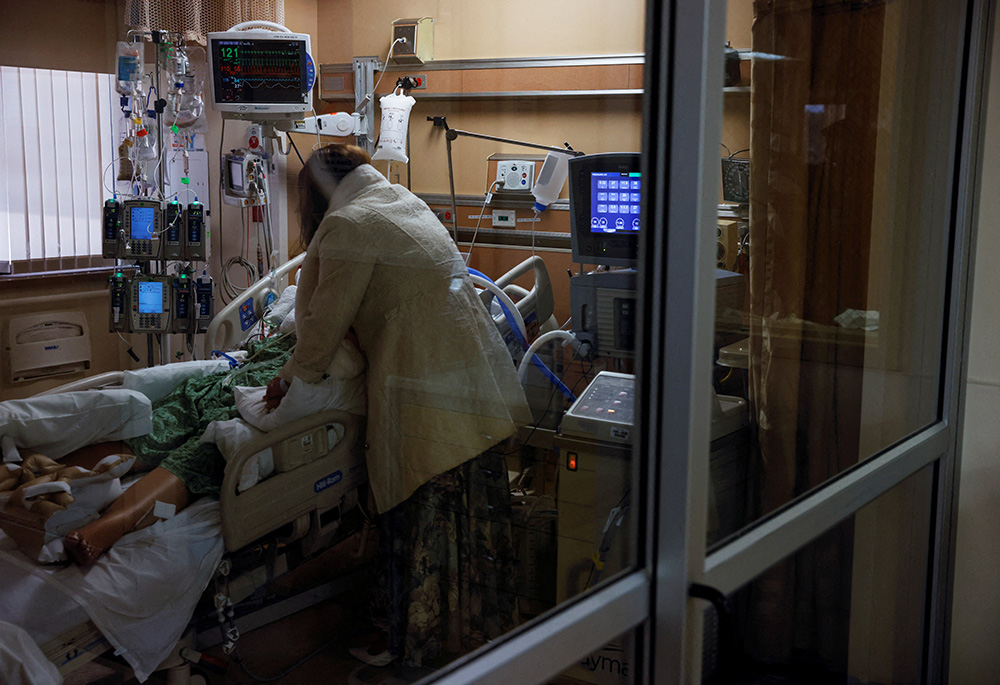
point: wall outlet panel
(515, 175)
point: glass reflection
(835, 223)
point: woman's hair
(324, 169)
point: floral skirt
(446, 573)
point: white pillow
(56, 425)
(282, 310)
(229, 436)
(303, 399)
(156, 382)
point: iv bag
(395, 118)
(128, 67)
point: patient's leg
(134, 509)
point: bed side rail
(539, 297)
(287, 495)
(101, 380)
(230, 325)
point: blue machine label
(51, 347)
(247, 316)
(328, 481)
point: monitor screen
(236, 174)
(150, 297)
(615, 198)
(142, 223)
(605, 205)
(251, 71)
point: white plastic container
(550, 179)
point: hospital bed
(318, 468)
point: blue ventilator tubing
(512, 322)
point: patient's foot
(79, 550)
(129, 512)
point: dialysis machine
(596, 529)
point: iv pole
(453, 133)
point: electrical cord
(367, 97)
(297, 153)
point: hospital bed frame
(312, 476)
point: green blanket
(180, 418)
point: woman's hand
(276, 389)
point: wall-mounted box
(48, 344)
(416, 38)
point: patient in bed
(180, 466)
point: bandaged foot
(131, 511)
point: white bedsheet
(156, 382)
(55, 425)
(141, 594)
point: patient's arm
(133, 510)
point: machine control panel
(194, 243)
(110, 227)
(174, 218)
(151, 305)
(142, 222)
(605, 410)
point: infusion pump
(143, 303)
(148, 229)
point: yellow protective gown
(441, 385)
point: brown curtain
(814, 117)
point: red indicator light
(571, 461)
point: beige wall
(976, 608)
(64, 34)
(466, 30)
(80, 293)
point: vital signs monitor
(260, 75)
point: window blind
(56, 146)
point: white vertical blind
(56, 139)
(12, 140)
(4, 201)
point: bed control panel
(151, 304)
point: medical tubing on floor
(516, 322)
(522, 368)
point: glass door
(805, 384)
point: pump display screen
(248, 71)
(142, 222)
(150, 297)
(615, 198)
